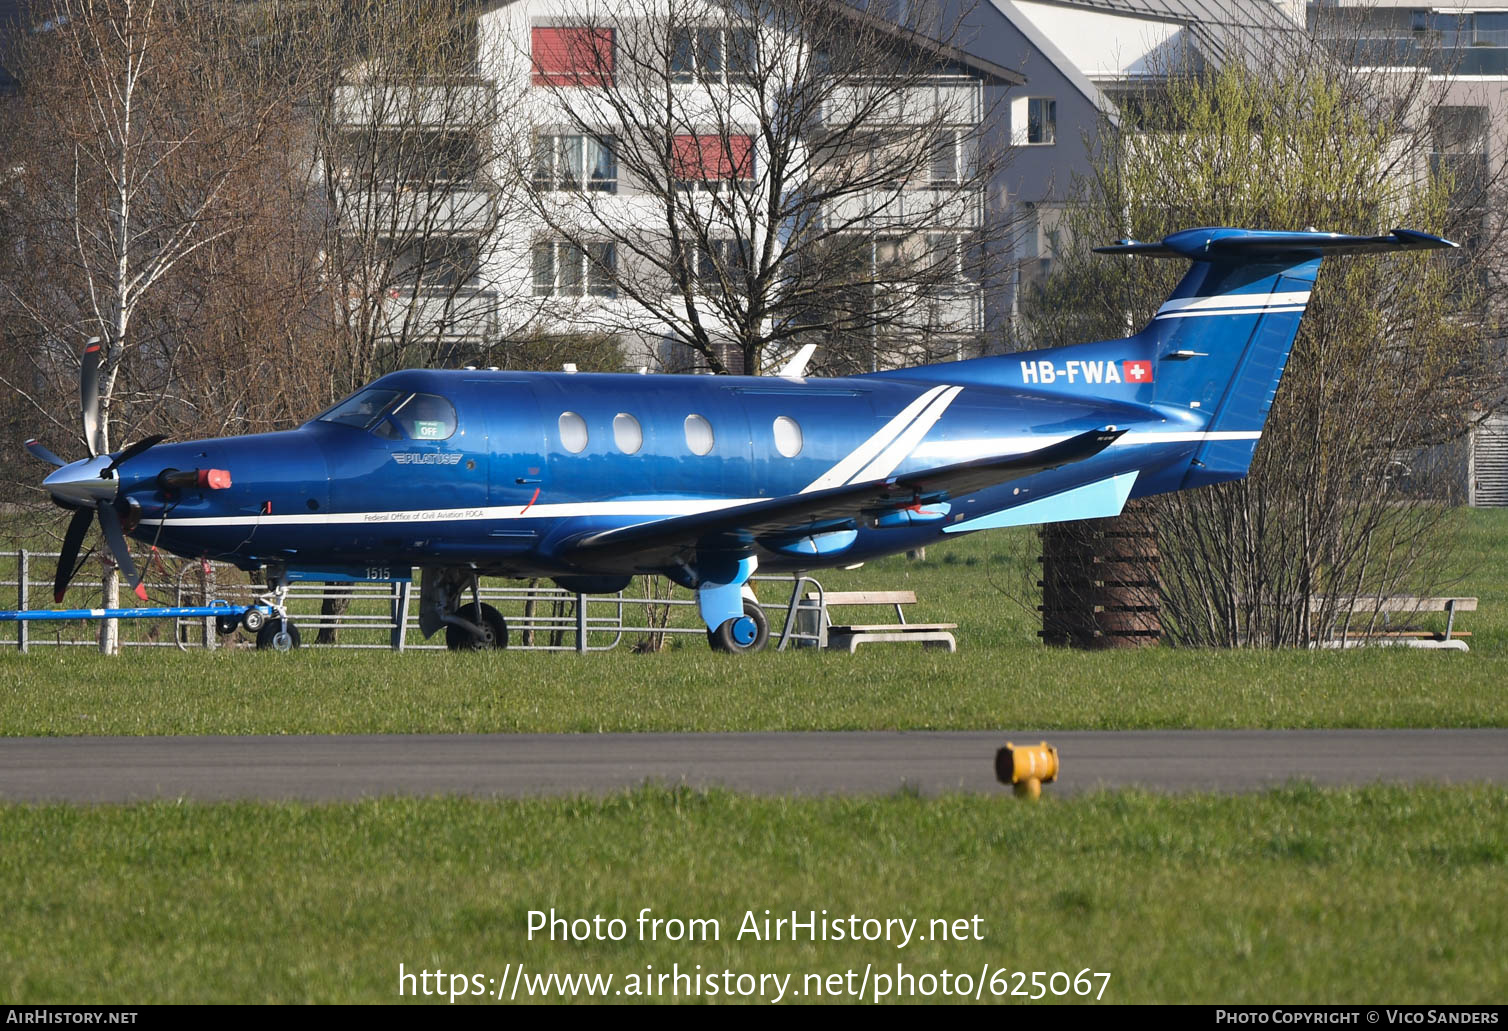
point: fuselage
(522, 462)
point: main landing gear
(747, 633)
(493, 627)
(734, 621)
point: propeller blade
(109, 521)
(89, 392)
(77, 527)
(38, 451)
(134, 450)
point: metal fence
(382, 615)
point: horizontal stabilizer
(1224, 244)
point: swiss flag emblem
(1137, 372)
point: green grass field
(1295, 895)
(1001, 676)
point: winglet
(796, 367)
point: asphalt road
(120, 769)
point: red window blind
(565, 56)
(707, 158)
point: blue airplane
(590, 479)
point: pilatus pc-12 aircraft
(591, 479)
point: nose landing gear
(276, 633)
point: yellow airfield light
(1027, 767)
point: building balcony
(928, 207)
(957, 309)
(956, 101)
(441, 313)
(1411, 51)
(404, 214)
(432, 103)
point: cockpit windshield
(396, 414)
(361, 410)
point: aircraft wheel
(279, 635)
(747, 633)
(253, 620)
(494, 628)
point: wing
(822, 511)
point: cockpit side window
(361, 410)
(425, 417)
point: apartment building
(628, 169)
(1464, 49)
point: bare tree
(1390, 358)
(743, 177)
(135, 142)
(412, 140)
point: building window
(1034, 121)
(711, 162)
(575, 163)
(721, 261)
(946, 254)
(787, 436)
(950, 162)
(627, 433)
(572, 56)
(573, 434)
(699, 436)
(563, 269)
(436, 261)
(712, 55)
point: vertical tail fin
(1220, 342)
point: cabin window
(425, 417)
(573, 434)
(699, 435)
(627, 434)
(787, 436)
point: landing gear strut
(733, 618)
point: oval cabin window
(699, 435)
(627, 434)
(787, 436)
(573, 435)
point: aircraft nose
(82, 483)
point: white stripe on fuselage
(859, 457)
(945, 452)
(898, 452)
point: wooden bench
(850, 636)
(1365, 606)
